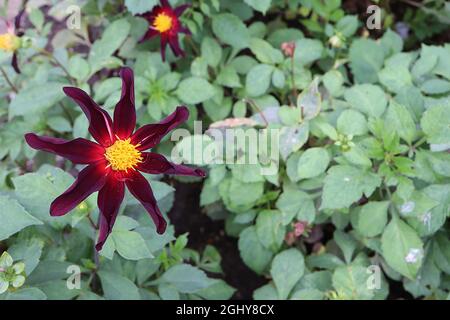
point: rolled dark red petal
(15, 63)
(175, 46)
(165, 4)
(184, 30)
(89, 180)
(109, 199)
(141, 190)
(155, 163)
(125, 112)
(150, 135)
(180, 9)
(79, 151)
(163, 45)
(149, 34)
(100, 123)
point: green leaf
(219, 290)
(117, 287)
(266, 292)
(36, 191)
(395, 78)
(258, 80)
(194, 90)
(253, 253)
(293, 138)
(228, 77)
(435, 86)
(140, 6)
(59, 124)
(186, 278)
(231, 30)
(348, 25)
(310, 101)
(402, 248)
(111, 40)
(313, 162)
(287, 268)
(371, 218)
(270, 229)
(345, 185)
(295, 203)
(352, 122)
(211, 51)
(13, 217)
(130, 245)
(436, 124)
(78, 68)
(367, 98)
(264, 52)
(28, 251)
(290, 116)
(333, 81)
(36, 99)
(27, 294)
(350, 282)
(366, 59)
(398, 117)
(259, 5)
(307, 51)
(6, 260)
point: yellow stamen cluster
(9, 42)
(123, 155)
(163, 22)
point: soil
(186, 216)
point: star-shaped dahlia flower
(116, 160)
(164, 20)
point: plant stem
(92, 222)
(420, 142)
(294, 86)
(13, 87)
(254, 105)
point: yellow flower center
(162, 22)
(9, 42)
(122, 155)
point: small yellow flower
(9, 42)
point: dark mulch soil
(186, 216)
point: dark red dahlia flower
(164, 20)
(116, 159)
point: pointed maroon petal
(155, 163)
(149, 34)
(100, 123)
(18, 17)
(175, 46)
(184, 30)
(141, 190)
(109, 199)
(165, 4)
(79, 151)
(89, 180)
(150, 135)
(15, 63)
(163, 47)
(179, 10)
(125, 112)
